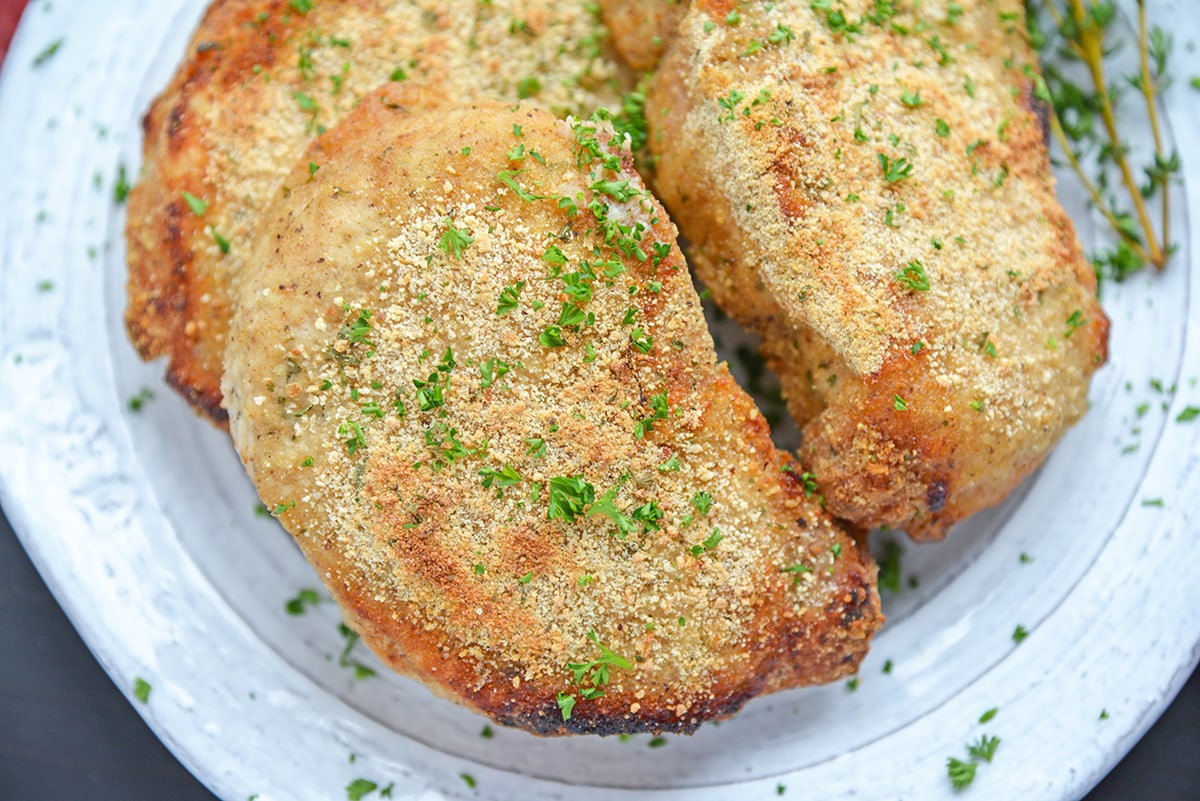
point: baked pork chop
(261, 79)
(470, 373)
(866, 184)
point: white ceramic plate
(143, 525)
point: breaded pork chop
(261, 79)
(869, 189)
(469, 371)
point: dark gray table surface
(67, 733)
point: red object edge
(10, 14)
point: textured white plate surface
(143, 525)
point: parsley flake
(454, 240)
(984, 748)
(895, 170)
(359, 788)
(568, 497)
(197, 205)
(961, 773)
(509, 296)
(913, 276)
(48, 52)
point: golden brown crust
(259, 82)
(873, 195)
(640, 29)
(475, 589)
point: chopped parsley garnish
(454, 240)
(1188, 414)
(566, 704)
(305, 6)
(303, 600)
(48, 52)
(987, 716)
(730, 103)
(551, 337)
(619, 191)
(889, 566)
(571, 316)
(606, 506)
(121, 188)
(703, 502)
(836, 19)
(351, 433)
(141, 690)
(986, 345)
(468, 780)
(709, 545)
(984, 748)
(509, 297)
(594, 672)
(359, 329)
(961, 773)
(507, 476)
(508, 178)
(139, 400)
(1075, 321)
(900, 404)
(359, 788)
(659, 410)
(1019, 633)
(809, 482)
(492, 371)
(569, 495)
(361, 671)
(528, 87)
(648, 514)
(641, 340)
(895, 170)
(913, 276)
(197, 205)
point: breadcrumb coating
(866, 184)
(470, 373)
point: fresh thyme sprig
(1081, 32)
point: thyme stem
(1093, 192)
(1092, 44)
(1149, 92)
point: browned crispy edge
(175, 310)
